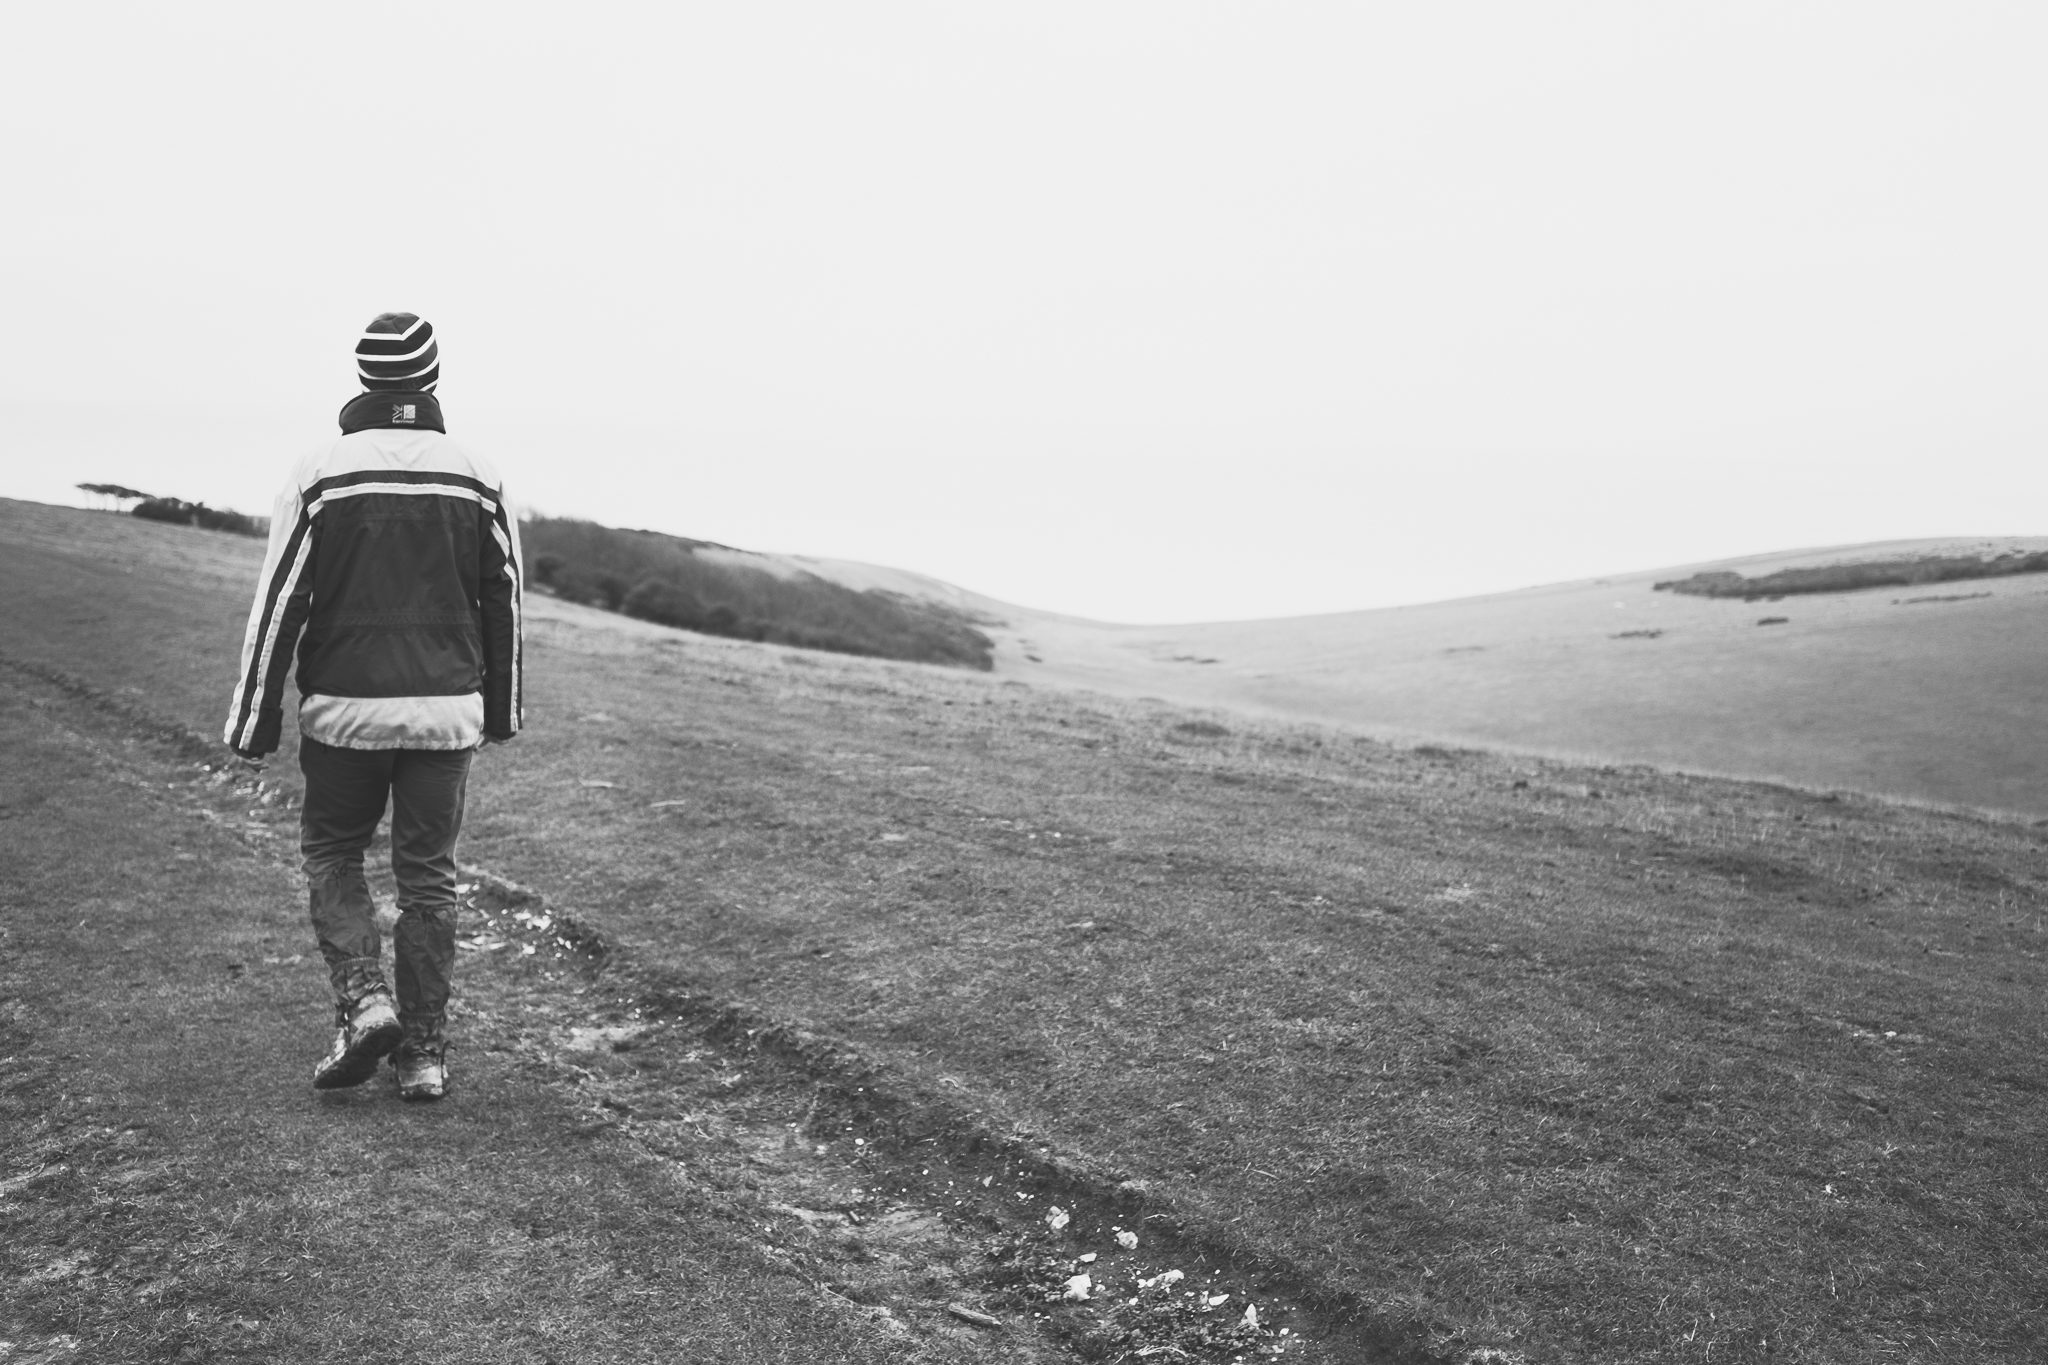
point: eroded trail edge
(891, 1195)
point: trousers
(346, 793)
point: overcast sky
(1162, 311)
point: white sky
(1162, 311)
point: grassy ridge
(664, 579)
(1887, 573)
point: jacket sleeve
(500, 587)
(283, 600)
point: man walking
(394, 574)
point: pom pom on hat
(397, 352)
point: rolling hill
(1936, 693)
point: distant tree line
(182, 513)
(179, 512)
(1886, 573)
(664, 579)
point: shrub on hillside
(580, 585)
(181, 513)
(673, 585)
(1891, 573)
(611, 590)
(162, 509)
(666, 604)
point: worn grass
(1593, 1065)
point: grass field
(1446, 1052)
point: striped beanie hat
(397, 352)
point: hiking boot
(369, 1030)
(422, 1073)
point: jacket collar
(395, 411)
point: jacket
(394, 573)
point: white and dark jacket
(394, 573)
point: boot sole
(359, 1063)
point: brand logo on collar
(405, 412)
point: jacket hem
(446, 722)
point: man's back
(393, 550)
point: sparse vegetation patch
(1940, 597)
(1885, 573)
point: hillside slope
(1936, 694)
